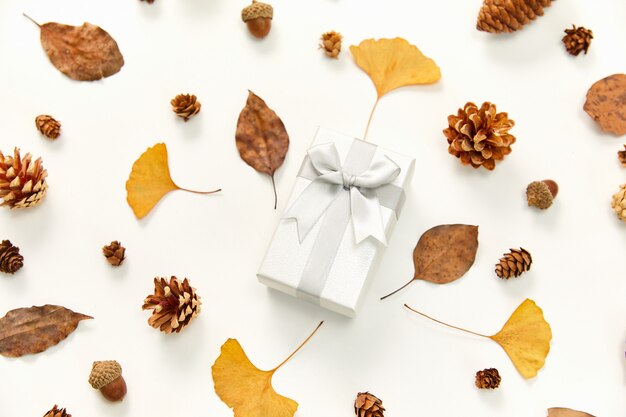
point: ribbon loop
(330, 181)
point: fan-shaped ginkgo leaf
(247, 389)
(394, 63)
(150, 180)
(566, 412)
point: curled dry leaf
(34, 329)
(247, 389)
(150, 180)
(261, 137)
(566, 412)
(83, 53)
(444, 254)
(525, 337)
(393, 63)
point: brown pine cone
(577, 39)
(514, 263)
(368, 405)
(114, 253)
(22, 182)
(56, 412)
(174, 304)
(488, 378)
(331, 43)
(185, 105)
(148, 1)
(10, 259)
(479, 137)
(621, 155)
(497, 16)
(48, 126)
(618, 202)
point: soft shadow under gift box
(342, 210)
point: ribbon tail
(311, 205)
(367, 217)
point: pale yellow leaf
(525, 337)
(394, 63)
(566, 412)
(245, 388)
(149, 180)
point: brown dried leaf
(566, 412)
(83, 53)
(261, 137)
(35, 329)
(444, 253)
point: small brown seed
(116, 390)
(259, 27)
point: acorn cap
(256, 10)
(103, 373)
(540, 194)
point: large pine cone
(185, 105)
(10, 259)
(368, 405)
(56, 412)
(514, 263)
(174, 304)
(22, 182)
(479, 137)
(497, 16)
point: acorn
(258, 17)
(106, 376)
(541, 194)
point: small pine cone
(148, 1)
(48, 126)
(22, 181)
(174, 304)
(114, 253)
(514, 263)
(331, 43)
(619, 202)
(577, 40)
(368, 405)
(10, 259)
(56, 412)
(621, 155)
(488, 378)
(479, 137)
(185, 105)
(497, 16)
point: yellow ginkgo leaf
(247, 389)
(525, 337)
(150, 180)
(566, 412)
(394, 63)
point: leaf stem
(200, 192)
(31, 19)
(446, 324)
(401, 288)
(369, 121)
(275, 195)
(299, 347)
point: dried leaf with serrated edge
(34, 329)
(394, 63)
(83, 53)
(247, 389)
(566, 412)
(525, 337)
(150, 180)
(444, 253)
(261, 138)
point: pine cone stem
(446, 324)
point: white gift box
(343, 207)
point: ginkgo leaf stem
(369, 121)
(200, 192)
(401, 288)
(275, 195)
(446, 324)
(31, 19)
(299, 347)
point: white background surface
(416, 367)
